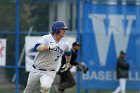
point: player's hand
(68, 65)
(65, 67)
(82, 67)
(52, 46)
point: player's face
(77, 47)
(62, 32)
(122, 55)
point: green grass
(70, 90)
(7, 90)
(74, 90)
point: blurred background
(103, 27)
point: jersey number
(57, 58)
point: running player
(50, 49)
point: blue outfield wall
(108, 29)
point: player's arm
(41, 44)
(68, 53)
(73, 59)
(40, 47)
(68, 58)
(43, 47)
(67, 65)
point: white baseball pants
(122, 86)
(42, 78)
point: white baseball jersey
(49, 59)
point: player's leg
(46, 81)
(66, 81)
(45, 92)
(33, 81)
(123, 85)
(56, 82)
(118, 89)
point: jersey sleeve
(67, 47)
(42, 40)
(68, 51)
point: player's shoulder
(47, 36)
(64, 41)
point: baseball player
(50, 49)
(66, 79)
(122, 69)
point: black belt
(42, 69)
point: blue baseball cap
(76, 43)
(57, 25)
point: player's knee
(28, 90)
(123, 88)
(123, 91)
(74, 83)
(71, 84)
(45, 88)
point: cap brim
(123, 53)
(65, 28)
(77, 45)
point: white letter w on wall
(116, 27)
